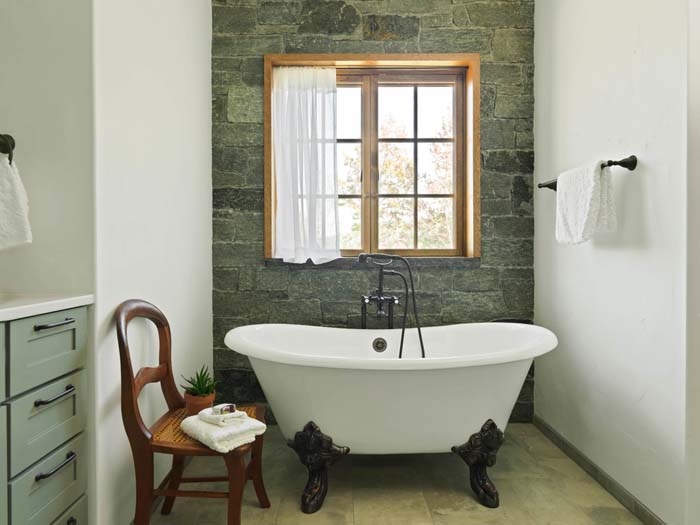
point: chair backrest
(132, 384)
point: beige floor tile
(610, 516)
(462, 507)
(183, 512)
(336, 510)
(538, 485)
(390, 507)
(539, 447)
(564, 468)
(523, 429)
(214, 512)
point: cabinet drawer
(75, 515)
(3, 465)
(46, 346)
(3, 391)
(46, 490)
(46, 418)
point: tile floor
(538, 485)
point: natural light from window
(415, 161)
(404, 175)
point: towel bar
(628, 162)
(7, 145)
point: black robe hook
(7, 145)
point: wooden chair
(165, 436)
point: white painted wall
(611, 80)
(152, 205)
(693, 331)
(46, 104)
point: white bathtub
(375, 403)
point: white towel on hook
(607, 215)
(14, 206)
(585, 204)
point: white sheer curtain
(304, 153)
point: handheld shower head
(385, 259)
(377, 258)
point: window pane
(350, 224)
(395, 223)
(435, 112)
(395, 112)
(349, 105)
(395, 167)
(435, 167)
(435, 223)
(349, 168)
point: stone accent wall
(247, 289)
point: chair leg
(173, 483)
(235, 465)
(255, 472)
(143, 467)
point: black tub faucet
(379, 298)
(383, 260)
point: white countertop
(18, 305)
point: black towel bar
(628, 162)
(7, 145)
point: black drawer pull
(72, 521)
(42, 402)
(40, 327)
(70, 458)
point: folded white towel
(585, 204)
(14, 207)
(224, 439)
(221, 420)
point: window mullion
(366, 211)
(373, 183)
(415, 167)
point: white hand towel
(607, 215)
(221, 420)
(585, 204)
(223, 439)
(14, 207)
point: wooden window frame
(467, 189)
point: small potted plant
(200, 392)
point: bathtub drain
(379, 344)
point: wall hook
(7, 145)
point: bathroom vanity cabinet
(43, 413)
(3, 462)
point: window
(407, 130)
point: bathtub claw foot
(316, 452)
(479, 452)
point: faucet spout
(381, 260)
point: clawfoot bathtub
(375, 403)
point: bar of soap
(220, 410)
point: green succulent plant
(202, 384)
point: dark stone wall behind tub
(249, 290)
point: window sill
(350, 263)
